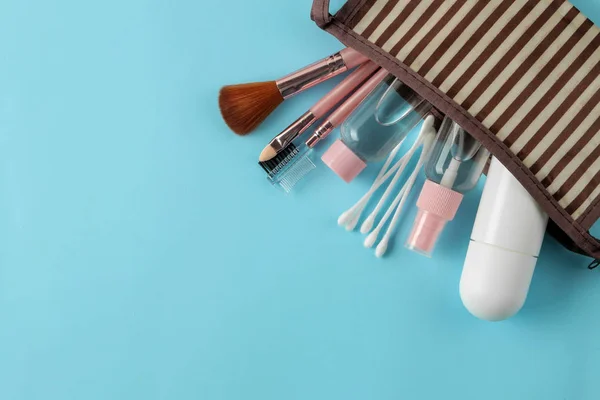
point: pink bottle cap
(437, 205)
(343, 161)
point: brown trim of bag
(590, 217)
(577, 231)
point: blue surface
(144, 255)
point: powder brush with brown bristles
(247, 105)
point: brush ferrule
(293, 131)
(311, 75)
(320, 133)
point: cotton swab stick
(355, 211)
(427, 145)
(347, 217)
(351, 216)
(383, 244)
(368, 223)
(372, 237)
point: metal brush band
(293, 131)
(311, 75)
(321, 132)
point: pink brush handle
(319, 71)
(352, 58)
(343, 89)
(343, 111)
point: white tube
(505, 243)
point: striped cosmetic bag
(522, 76)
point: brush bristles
(246, 106)
(277, 163)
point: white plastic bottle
(505, 243)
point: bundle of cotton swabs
(351, 217)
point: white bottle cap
(495, 281)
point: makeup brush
(294, 162)
(247, 105)
(318, 110)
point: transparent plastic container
(455, 165)
(372, 131)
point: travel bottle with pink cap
(377, 125)
(454, 167)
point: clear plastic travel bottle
(454, 167)
(378, 124)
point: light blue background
(143, 254)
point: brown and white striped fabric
(525, 71)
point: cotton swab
(383, 244)
(399, 199)
(362, 203)
(425, 138)
(352, 215)
(368, 223)
(372, 237)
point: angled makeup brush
(318, 110)
(246, 106)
